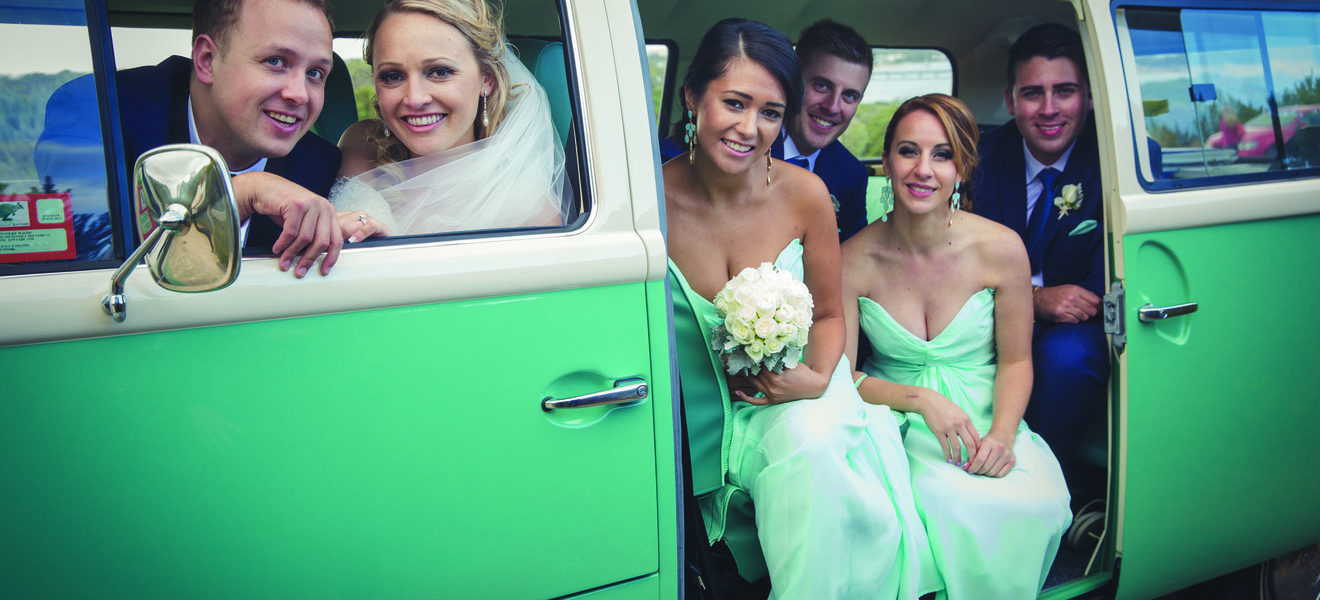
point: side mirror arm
(174, 219)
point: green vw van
(493, 414)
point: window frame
(97, 28)
(119, 173)
(1135, 113)
(670, 85)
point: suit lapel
(777, 148)
(275, 166)
(1081, 165)
(1013, 186)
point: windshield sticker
(36, 227)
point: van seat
(545, 59)
(340, 109)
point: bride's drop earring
(485, 118)
(387, 132)
(767, 167)
(690, 136)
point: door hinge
(1114, 306)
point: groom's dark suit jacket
(1069, 254)
(153, 109)
(846, 177)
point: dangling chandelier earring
(768, 161)
(690, 136)
(955, 202)
(485, 118)
(886, 202)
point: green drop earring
(955, 202)
(690, 136)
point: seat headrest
(340, 108)
(545, 59)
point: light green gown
(828, 477)
(992, 537)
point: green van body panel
(1222, 411)
(639, 589)
(667, 454)
(396, 453)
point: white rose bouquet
(766, 316)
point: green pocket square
(1083, 227)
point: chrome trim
(1150, 312)
(586, 166)
(625, 391)
(173, 220)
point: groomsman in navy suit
(254, 86)
(836, 66)
(1039, 175)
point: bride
(464, 140)
(834, 512)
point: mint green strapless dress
(828, 477)
(992, 537)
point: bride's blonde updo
(482, 26)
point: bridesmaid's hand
(790, 384)
(952, 427)
(995, 457)
(357, 225)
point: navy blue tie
(801, 162)
(1036, 224)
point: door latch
(1113, 305)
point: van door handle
(1150, 312)
(629, 390)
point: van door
(375, 433)
(1213, 246)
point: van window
(661, 70)
(1222, 95)
(898, 74)
(60, 200)
(143, 46)
(545, 54)
(54, 201)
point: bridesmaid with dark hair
(827, 474)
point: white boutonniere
(1070, 198)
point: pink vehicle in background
(1257, 137)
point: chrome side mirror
(186, 191)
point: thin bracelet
(858, 384)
